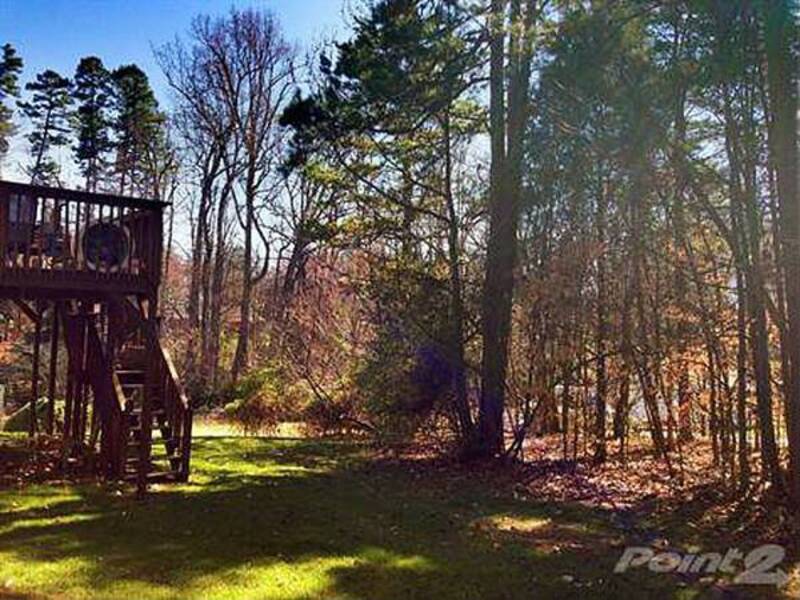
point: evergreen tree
(137, 126)
(93, 93)
(48, 112)
(10, 67)
(399, 103)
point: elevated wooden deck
(91, 265)
(61, 243)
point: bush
(323, 418)
(253, 415)
(259, 401)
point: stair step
(156, 412)
(130, 376)
(132, 354)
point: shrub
(259, 401)
(253, 415)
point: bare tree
(252, 68)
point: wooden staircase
(144, 375)
(145, 418)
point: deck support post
(51, 384)
(83, 397)
(37, 341)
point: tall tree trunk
(746, 242)
(218, 276)
(642, 362)
(504, 201)
(780, 36)
(713, 408)
(456, 297)
(741, 381)
(240, 359)
(761, 368)
(500, 252)
(205, 307)
(601, 375)
(193, 305)
(200, 239)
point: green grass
(291, 519)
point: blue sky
(57, 33)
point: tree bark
(240, 359)
(780, 35)
(504, 200)
(456, 297)
(602, 331)
(496, 308)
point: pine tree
(10, 67)
(48, 112)
(137, 125)
(93, 94)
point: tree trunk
(741, 381)
(218, 276)
(780, 35)
(602, 331)
(498, 284)
(199, 239)
(504, 201)
(456, 299)
(240, 359)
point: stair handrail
(175, 400)
(166, 357)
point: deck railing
(49, 229)
(178, 409)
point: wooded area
(509, 234)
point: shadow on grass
(299, 519)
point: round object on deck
(106, 247)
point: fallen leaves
(24, 461)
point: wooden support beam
(51, 384)
(29, 312)
(37, 342)
(83, 391)
(69, 393)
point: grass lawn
(290, 519)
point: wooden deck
(90, 265)
(32, 284)
(56, 243)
